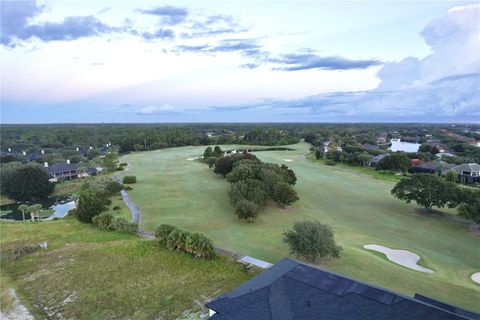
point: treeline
(252, 182)
(139, 137)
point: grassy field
(359, 207)
(91, 274)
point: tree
(90, 204)
(28, 182)
(23, 208)
(318, 153)
(34, 211)
(223, 166)
(470, 206)
(427, 190)
(311, 241)
(217, 151)
(110, 161)
(451, 176)
(398, 161)
(246, 209)
(283, 194)
(208, 153)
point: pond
(398, 145)
(59, 208)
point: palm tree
(35, 211)
(23, 208)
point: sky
(239, 61)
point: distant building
(376, 159)
(468, 172)
(293, 290)
(67, 171)
(436, 167)
(370, 147)
(34, 156)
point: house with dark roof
(294, 290)
(63, 171)
(434, 167)
(376, 159)
(468, 172)
(34, 156)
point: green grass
(358, 206)
(91, 274)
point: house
(437, 167)
(415, 162)
(468, 172)
(370, 147)
(64, 171)
(375, 159)
(34, 156)
(294, 290)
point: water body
(59, 206)
(398, 145)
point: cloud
(213, 25)
(159, 34)
(15, 25)
(169, 15)
(295, 62)
(229, 45)
(148, 110)
(455, 44)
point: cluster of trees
(429, 190)
(34, 210)
(253, 183)
(194, 243)
(311, 240)
(398, 162)
(94, 199)
(25, 182)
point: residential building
(293, 290)
(375, 159)
(436, 167)
(468, 172)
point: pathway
(128, 202)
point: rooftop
(294, 290)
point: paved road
(128, 202)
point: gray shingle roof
(467, 167)
(62, 167)
(293, 290)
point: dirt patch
(14, 310)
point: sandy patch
(288, 160)
(402, 257)
(16, 309)
(191, 159)
(476, 277)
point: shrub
(194, 243)
(312, 240)
(72, 212)
(91, 203)
(119, 169)
(127, 188)
(122, 225)
(104, 221)
(162, 232)
(113, 187)
(330, 162)
(123, 164)
(284, 194)
(129, 179)
(116, 208)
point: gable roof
(436, 165)
(293, 290)
(62, 167)
(467, 167)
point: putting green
(360, 209)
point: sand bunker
(288, 160)
(191, 159)
(476, 277)
(402, 257)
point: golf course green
(173, 188)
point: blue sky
(239, 61)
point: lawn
(92, 274)
(359, 207)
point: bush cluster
(194, 243)
(129, 179)
(106, 221)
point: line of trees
(253, 182)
